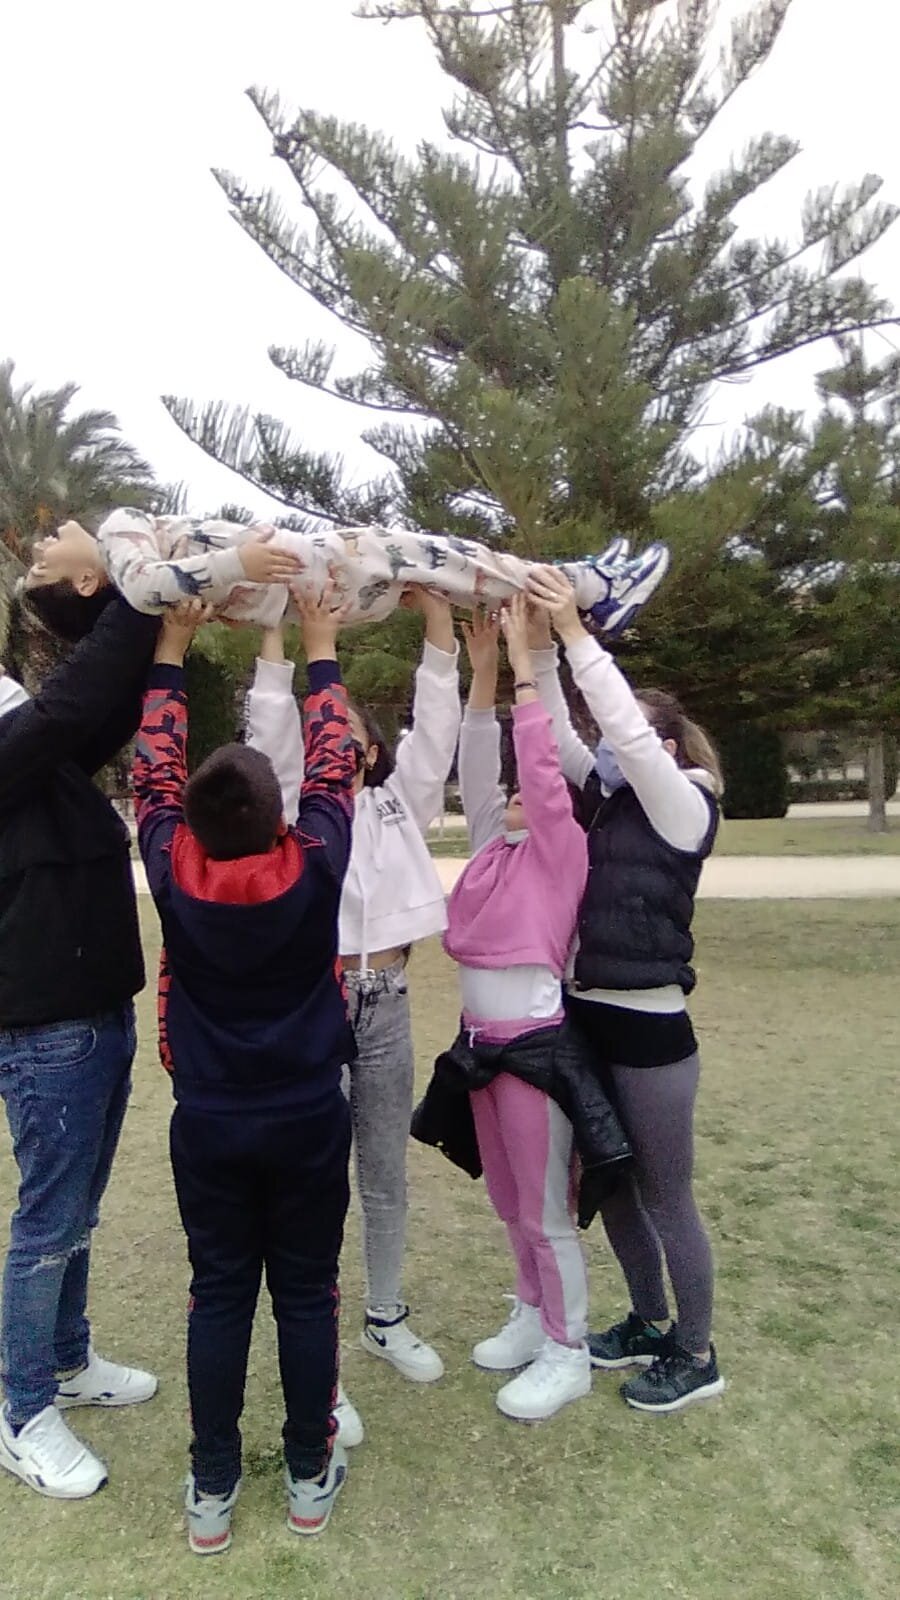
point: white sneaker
(394, 1341)
(558, 1375)
(517, 1343)
(46, 1455)
(104, 1383)
(350, 1428)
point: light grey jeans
(381, 1097)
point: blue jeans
(65, 1087)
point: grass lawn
(787, 1489)
(805, 836)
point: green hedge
(756, 775)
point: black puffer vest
(635, 924)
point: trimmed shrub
(756, 775)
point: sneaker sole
(514, 1366)
(605, 1365)
(107, 1402)
(311, 1530)
(210, 1547)
(546, 1416)
(709, 1392)
(33, 1481)
(405, 1372)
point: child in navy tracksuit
(256, 1034)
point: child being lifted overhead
(243, 569)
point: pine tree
(549, 301)
(826, 529)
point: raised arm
(159, 771)
(555, 838)
(86, 703)
(139, 553)
(673, 804)
(575, 757)
(484, 802)
(326, 798)
(273, 718)
(425, 756)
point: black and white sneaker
(632, 1343)
(675, 1380)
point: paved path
(751, 877)
(774, 877)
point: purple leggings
(654, 1215)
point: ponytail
(693, 746)
(700, 751)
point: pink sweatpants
(525, 1143)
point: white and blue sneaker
(47, 1456)
(311, 1500)
(209, 1519)
(106, 1383)
(392, 1339)
(629, 588)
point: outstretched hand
(179, 624)
(551, 589)
(482, 636)
(264, 562)
(319, 619)
(435, 608)
(514, 622)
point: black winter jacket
(69, 940)
(555, 1060)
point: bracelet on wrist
(526, 683)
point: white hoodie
(392, 894)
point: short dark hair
(232, 803)
(383, 765)
(63, 611)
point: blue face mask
(607, 767)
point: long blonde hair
(693, 745)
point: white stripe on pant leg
(559, 1227)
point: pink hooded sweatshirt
(516, 904)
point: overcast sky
(121, 269)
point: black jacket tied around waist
(554, 1060)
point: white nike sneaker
(394, 1341)
(350, 1428)
(558, 1375)
(104, 1383)
(46, 1455)
(517, 1343)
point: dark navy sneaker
(675, 1380)
(630, 586)
(632, 1343)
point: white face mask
(11, 695)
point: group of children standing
(292, 877)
